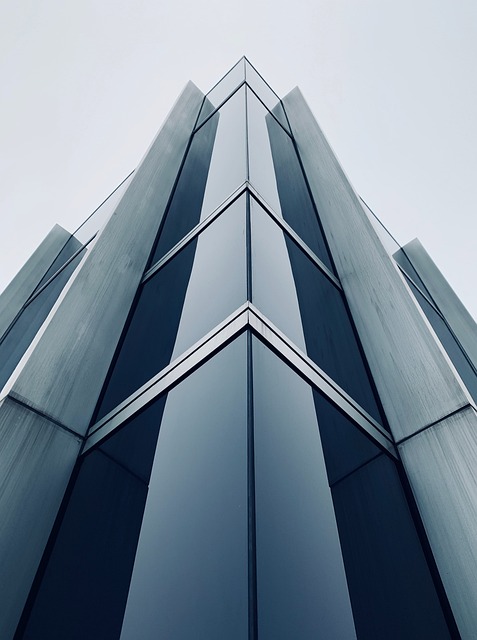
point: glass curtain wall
(241, 504)
(240, 501)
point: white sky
(85, 85)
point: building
(231, 413)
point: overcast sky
(86, 84)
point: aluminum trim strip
(247, 316)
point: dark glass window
(186, 204)
(150, 337)
(302, 590)
(84, 588)
(392, 592)
(265, 93)
(329, 336)
(190, 574)
(223, 89)
(314, 315)
(192, 293)
(450, 344)
(296, 204)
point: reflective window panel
(223, 89)
(84, 587)
(450, 344)
(301, 583)
(192, 293)
(261, 170)
(296, 204)
(186, 204)
(314, 316)
(190, 574)
(266, 94)
(392, 592)
(273, 284)
(228, 165)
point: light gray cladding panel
(459, 319)
(64, 374)
(36, 460)
(414, 379)
(27, 279)
(440, 464)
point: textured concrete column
(457, 316)
(52, 399)
(63, 377)
(27, 279)
(416, 382)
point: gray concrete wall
(27, 279)
(457, 316)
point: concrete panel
(65, 372)
(27, 279)
(457, 316)
(415, 381)
(36, 460)
(440, 464)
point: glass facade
(239, 479)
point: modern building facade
(229, 412)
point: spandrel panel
(302, 590)
(262, 173)
(450, 344)
(190, 574)
(391, 588)
(266, 94)
(84, 587)
(186, 204)
(223, 89)
(296, 203)
(228, 164)
(273, 285)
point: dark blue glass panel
(192, 293)
(190, 574)
(296, 204)
(314, 315)
(83, 590)
(186, 204)
(392, 592)
(329, 336)
(149, 341)
(302, 590)
(450, 344)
